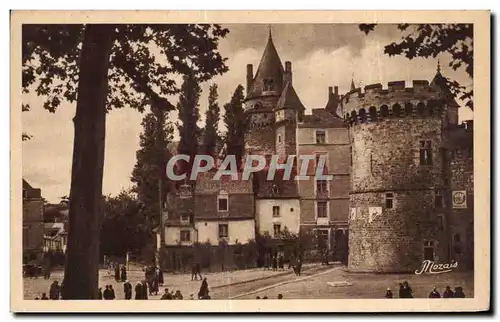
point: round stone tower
(397, 177)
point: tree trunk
(81, 272)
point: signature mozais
(430, 267)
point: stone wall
(386, 158)
(286, 139)
(461, 220)
(260, 135)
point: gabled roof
(289, 99)
(270, 66)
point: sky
(322, 55)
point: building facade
(401, 168)
(32, 223)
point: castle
(402, 187)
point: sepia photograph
(167, 157)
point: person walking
(144, 290)
(281, 262)
(123, 273)
(160, 277)
(54, 291)
(117, 272)
(99, 293)
(107, 293)
(127, 289)
(275, 263)
(138, 291)
(203, 293)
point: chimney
(287, 77)
(249, 77)
(333, 99)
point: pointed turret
(269, 77)
(353, 87)
(440, 83)
(289, 99)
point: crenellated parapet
(396, 101)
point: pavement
(219, 282)
(339, 284)
(316, 282)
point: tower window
(320, 137)
(321, 209)
(276, 211)
(321, 186)
(440, 221)
(389, 200)
(268, 84)
(425, 152)
(438, 199)
(279, 138)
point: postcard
(250, 161)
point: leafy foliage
(234, 118)
(430, 40)
(123, 228)
(211, 136)
(109, 66)
(189, 114)
(152, 159)
(144, 59)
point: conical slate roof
(440, 83)
(269, 67)
(289, 99)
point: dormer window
(268, 84)
(223, 202)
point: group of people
(54, 292)
(405, 292)
(108, 294)
(448, 293)
(280, 297)
(203, 293)
(276, 261)
(120, 273)
(143, 291)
